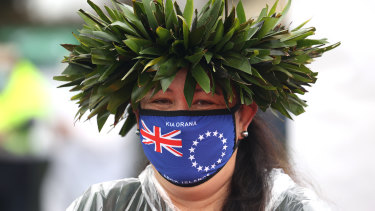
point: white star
(219, 161)
(200, 168)
(191, 157)
(194, 164)
(208, 175)
(224, 140)
(195, 143)
(201, 137)
(224, 147)
(222, 154)
(213, 166)
(207, 168)
(191, 149)
(221, 135)
(208, 133)
(215, 133)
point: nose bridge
(181, 103)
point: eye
(203, 102)
(161, 101)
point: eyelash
(161, 101)
(167, 101)
(203, 102)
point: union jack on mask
(188, 147)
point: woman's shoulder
(288, 195)
(112, 195)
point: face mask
(188, 147)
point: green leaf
(209, 17)
(126, 27)
(73, 83)
(301, 25)
(101, 118)
(73, 69)
(241, 12)
(137, 44)
(163, 35)
(309, 42)
(189, 88)
(273, 9)
(188, 12)
(298, 35)
(170, 15)
(279, 107)
(149, 8)
(127, 11)
(227, 36)
(91, 42)
(90, 20)
(139, 93)
(280, 69)
(328, 48)
(129, 14)
(129, 123)
(136, 66)
(99, 108)
(268, 25)
(166, 69)
(185, 31)
(106, 36)
(98, 11)
(114, 13)
(108, 71)
(208, 55)
(196, 36)
(102, 57)
(152, 51)
(239, 62)
(65, 78)
(219, 33)
(262, 14)
(165, 82)
(143, 78)
(201, 77)
(195, 58)
(154, 62)
(118, 98)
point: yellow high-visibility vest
(24, 97)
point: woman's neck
(209, 195)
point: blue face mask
(188, 147)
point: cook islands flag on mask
(188, 147)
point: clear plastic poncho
(145, 193)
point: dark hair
(257, 155)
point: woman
(244, 182)
(197, 85)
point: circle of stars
(195, 144)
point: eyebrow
(198, 89)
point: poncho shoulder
(145, 193)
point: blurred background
(47, 159)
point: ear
(244, 116)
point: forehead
(178, 85)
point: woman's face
(173, 99)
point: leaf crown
(124, 54)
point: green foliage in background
(127, 51)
